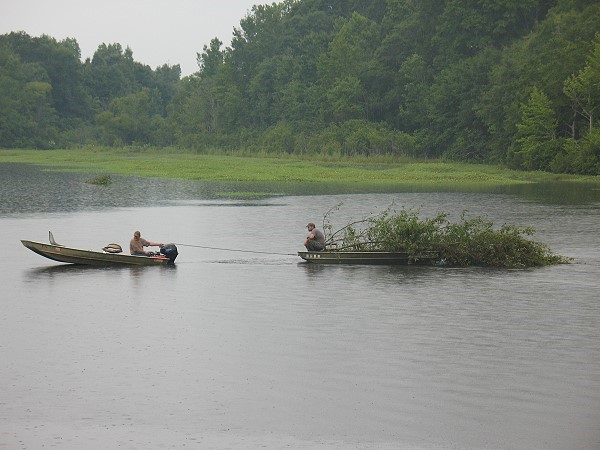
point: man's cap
(310, 224)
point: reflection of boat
(389, 258)
(64, 254)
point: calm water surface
(236, 349)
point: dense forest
(503, 81)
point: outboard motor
(170, 251)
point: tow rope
(236, 250)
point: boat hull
(369, 258)
(91, 257)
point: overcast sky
(157, 31)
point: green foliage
(58, 63)
(49, 98)
(452, 104)
(211, 59)
(428, 78)
(566, 35)
(27, 118)
(583, 89)
(110, 74)
(358, 138)
(535, 146)
(351, 50)
(132, 119)
(468, 242)
(579, 156)
(476, 242)
(100, 180)
(279, 138)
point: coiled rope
(235, 250)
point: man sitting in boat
(315, 241)
(137, 244)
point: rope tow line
(235, 250)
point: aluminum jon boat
(370, 258)
(71, 255)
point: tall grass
(175, 163)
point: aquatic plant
(469, 242)
(372, 173)
(100, 180)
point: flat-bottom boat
(71, 255)
(381, 258)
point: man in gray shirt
(315, 241)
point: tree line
(514, 82)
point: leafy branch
(469, 242)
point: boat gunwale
(368, 257)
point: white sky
(157, 31)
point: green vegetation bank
(375, 171)
(515, 82)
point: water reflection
(82, 269)
(372, 275)
(558, 193)
(30, 189)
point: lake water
(240, 349)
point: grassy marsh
(377, 171)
